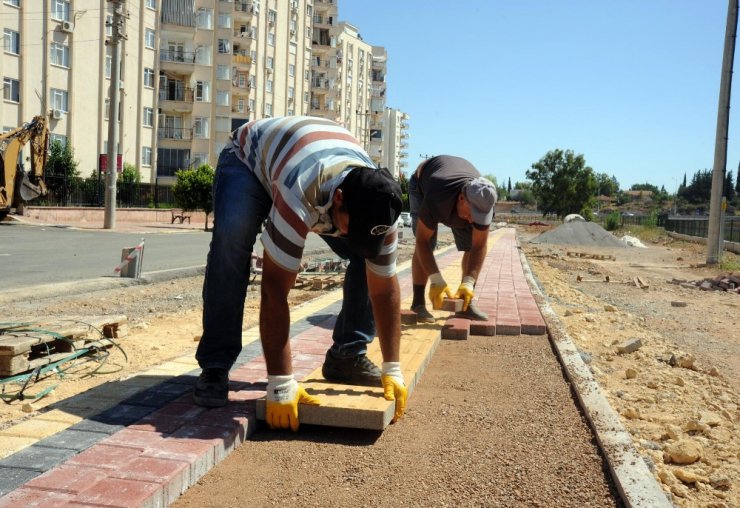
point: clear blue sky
(633, 85)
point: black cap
(372, 198)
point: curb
(635, 482)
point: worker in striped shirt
(298, 175)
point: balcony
(403, 155)
(242, 59)
(176, 56)
(176, 99)
(177, 133)
(241, 110)
(245, 10)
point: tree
(500, 191)
(563, 184)
(193, 189)
(404, 183)
(508, 188)
(60, 172)
(729, 186)
(737, 183)
(130, 174)
(607, 185)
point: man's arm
(275, 316)
(385, 296)
(477, 253)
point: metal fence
(699, 226)
(77, 191)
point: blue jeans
(241, 206)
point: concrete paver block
(456, 329)
(452, 304)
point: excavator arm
(16, 185)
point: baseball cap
(372, 198)
(481, 194)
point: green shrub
(613, 220)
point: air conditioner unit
(57, 114)
(292, 31)
(268, 70)
(68, 26)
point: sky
(632, 85)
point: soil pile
(579, 233)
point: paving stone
(70, 479)
(123, 414)
(38, 458)
(32, 498)
(456, 329)
(115, 492)
(452, 304)
(408, 317)
(106, 456)
(172, 475)
(13, 477)
(484, 328)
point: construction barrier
(131, 260)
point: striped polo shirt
(300, 161)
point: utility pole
(714, 241)
(113, 118)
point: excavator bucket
(28, 189)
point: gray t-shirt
(441, 180)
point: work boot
(422, 314)
(473, 313)
(355, 370)
(212, 388)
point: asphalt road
(41, 255)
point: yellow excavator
(16, 185)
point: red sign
(103, 163)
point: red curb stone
(123, 493)
(533, 329)
(32, 498)
(172, 475)
(456, 329)
(223, 441)
(508, 328)
(70, 479)
(485, 328)
(105, 456)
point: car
(406, 218)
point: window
(58, 138)
(271, 16)
(223, 123)
(149, 38)
(268, 85)
(148, 77)
(108, 65)
(200, 127)
(224, 46)
(251, 104)
(60, 10)
(203, 55)
(222, 98)
(148, 117)
(292, 48)
(151, 4)
(204, 18)
(59, 99)
(11, 90)
(203, 91)
(252, 81)
(14, 3)
(146, 155)
(291, 112)
(198, 159)
(224, 20)
(291, 92)
(222, 72)
(268, 109)
(291, 69)
(59, 54)
(271, 39)
(269, 62)
(109, 25)
(305, 96)
(11, 41)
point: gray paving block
(37, 458)
(77, 440)
(123, 414)
(13, 477)
(95, 426)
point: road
(34, 255)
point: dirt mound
(579, 233)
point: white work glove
(394, 388)
(438, 290)
(283, 396)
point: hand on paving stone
(394, 387)
(465, 291)
(438, 289)
(283, 396)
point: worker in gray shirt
(449, 190)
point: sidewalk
(142, 442)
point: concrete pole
(113, 118)
(720, 142)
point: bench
(179, 215)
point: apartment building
(55, 62)
(395, 141)
(191, 71)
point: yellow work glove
(394, 388)
(465, 291)
(438, 290)
(283, 396)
